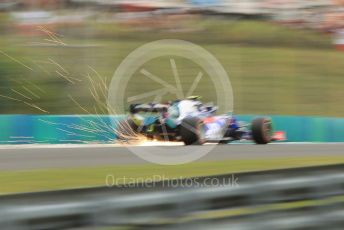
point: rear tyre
(261, 130)
(126, 130)
(192, 131)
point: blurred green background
(273, 69)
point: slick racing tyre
(192, 131)
(261, 130)
(126, 130)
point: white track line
(144, 144)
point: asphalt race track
(25, 157)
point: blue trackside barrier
(23, 129)
(307, 128)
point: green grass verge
(273, 70)
(52, 179)
(216, 31)
(264, 80)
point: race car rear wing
(148, 108)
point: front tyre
(261, 130)
(192, 131)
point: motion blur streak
(284, 58)
(68, 156)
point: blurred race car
(192, 122)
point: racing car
(191, 122)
